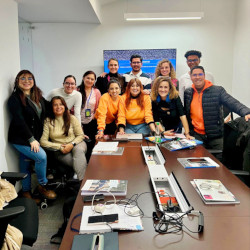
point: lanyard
(87, 102)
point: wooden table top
(225, 226)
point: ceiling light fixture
(163, 16)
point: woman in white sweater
(64, 133)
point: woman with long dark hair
(90, 100)
(28, 109)
(106, 113)
(63, 132)
(135, 110)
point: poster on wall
(151, 57)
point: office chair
(21, 213)
(63, 174)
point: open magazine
(181, 144)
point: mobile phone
(98, 197)
(109, 218)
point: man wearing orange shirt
(203, 104)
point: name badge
(87, 112)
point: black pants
(110, 128)
(90, 129)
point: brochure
(198, 162)
(181, 144)
(116, 187)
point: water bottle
(157, 133)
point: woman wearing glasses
(72, 97)
(28, 109)
(90, 100)
(167, 107)
(165, 68)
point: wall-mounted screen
(151, 57)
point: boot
(29, 196)
(46, 193)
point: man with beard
(136, 64)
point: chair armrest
(9, 213)
(13, 176)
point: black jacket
(25, 121)
(213, 99)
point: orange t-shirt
(196, 110)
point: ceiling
(60, 11)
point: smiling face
(135, 89)
(26, 83)
(114, 90)
(69, 85)
(136, 65)
(165, 69)
(89, 80)
(192, 61)
(113, 66)
(163, 89)
(58, 107)
(198, 79)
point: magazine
(213, 192)
(198, 162)
(180, 144)
(116, 187)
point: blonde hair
(173, 93)
(158, 69)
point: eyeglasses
(26, 78)
(136, 62)
(69, 84)
(192, 60)
(200, 74)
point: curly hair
(193, 53)
(158, 69)
(173, 93)
(140, 98)
(35, 92)
(66, 114)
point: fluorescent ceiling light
(163, 16)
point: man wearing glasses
(203, 104)
(136, 64)
(72, 97)
(193, 59)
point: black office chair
(233, 152)
(21, 213)
(62, 174)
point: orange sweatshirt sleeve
(148, 109)
(101, 112)
(122, 111)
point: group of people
(112, 103)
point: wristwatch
(73, 143)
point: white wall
(241, 65)
(10, 66)
(61, 49)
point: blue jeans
(40, 158)
(137, 129)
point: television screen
(151, 57)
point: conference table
(225, 226)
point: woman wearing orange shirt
(135, 110)
(106, 113)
